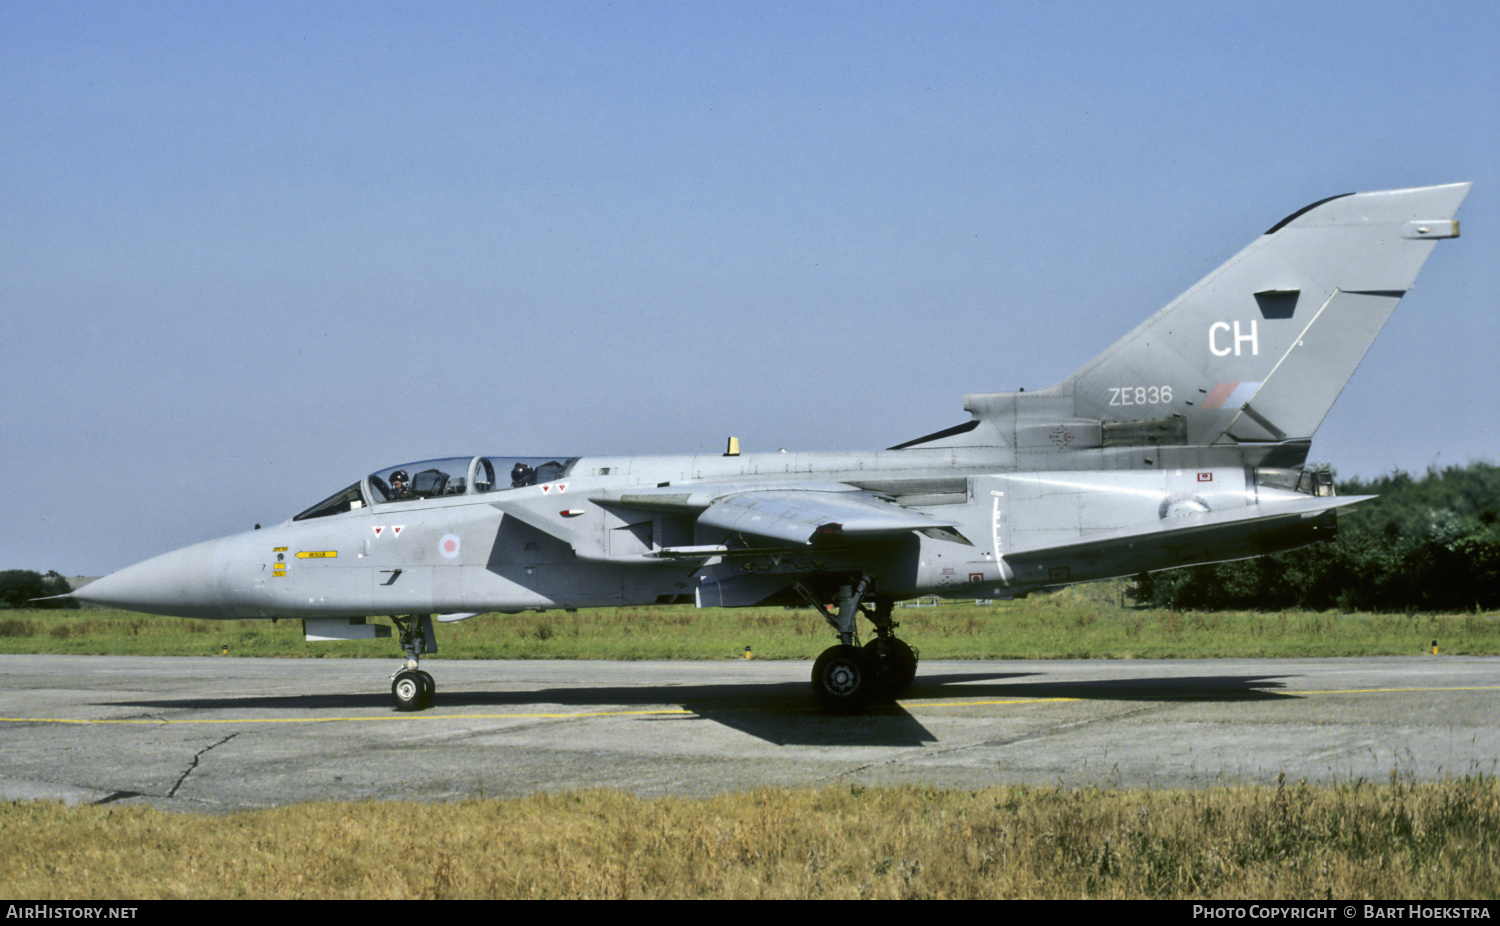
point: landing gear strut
(846, 677)
(411, 688)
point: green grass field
(1081, 622)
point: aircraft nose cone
(179, 584)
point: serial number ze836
(1140, 395)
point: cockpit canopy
(441, 479)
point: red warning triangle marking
(378, 530)
(562, 487)
(546, 489)
(397, 528)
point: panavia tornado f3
(1184, 443)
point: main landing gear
(846, 676)
(411, 688)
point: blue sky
(250, 252)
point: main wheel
(893, 669)
(408, 689)
(429, 688)
(841, 680)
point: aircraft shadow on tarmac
(782, 713)
(1176, 688)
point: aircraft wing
(804, 516)
(787, 513)
(1184, 540)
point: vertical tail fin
(1260, 348)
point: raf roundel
(449, 545)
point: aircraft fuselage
(594, 538)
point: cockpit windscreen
(463, 475)
(441, 479)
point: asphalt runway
(210, 734)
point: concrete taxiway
(229, 733)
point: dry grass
(1401, 840)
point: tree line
(1427, 543)
(19, 586)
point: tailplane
(1258, 350)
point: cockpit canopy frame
(441, 478)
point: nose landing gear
(411, 688)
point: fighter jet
(1185, 442)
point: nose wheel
(412, 690)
